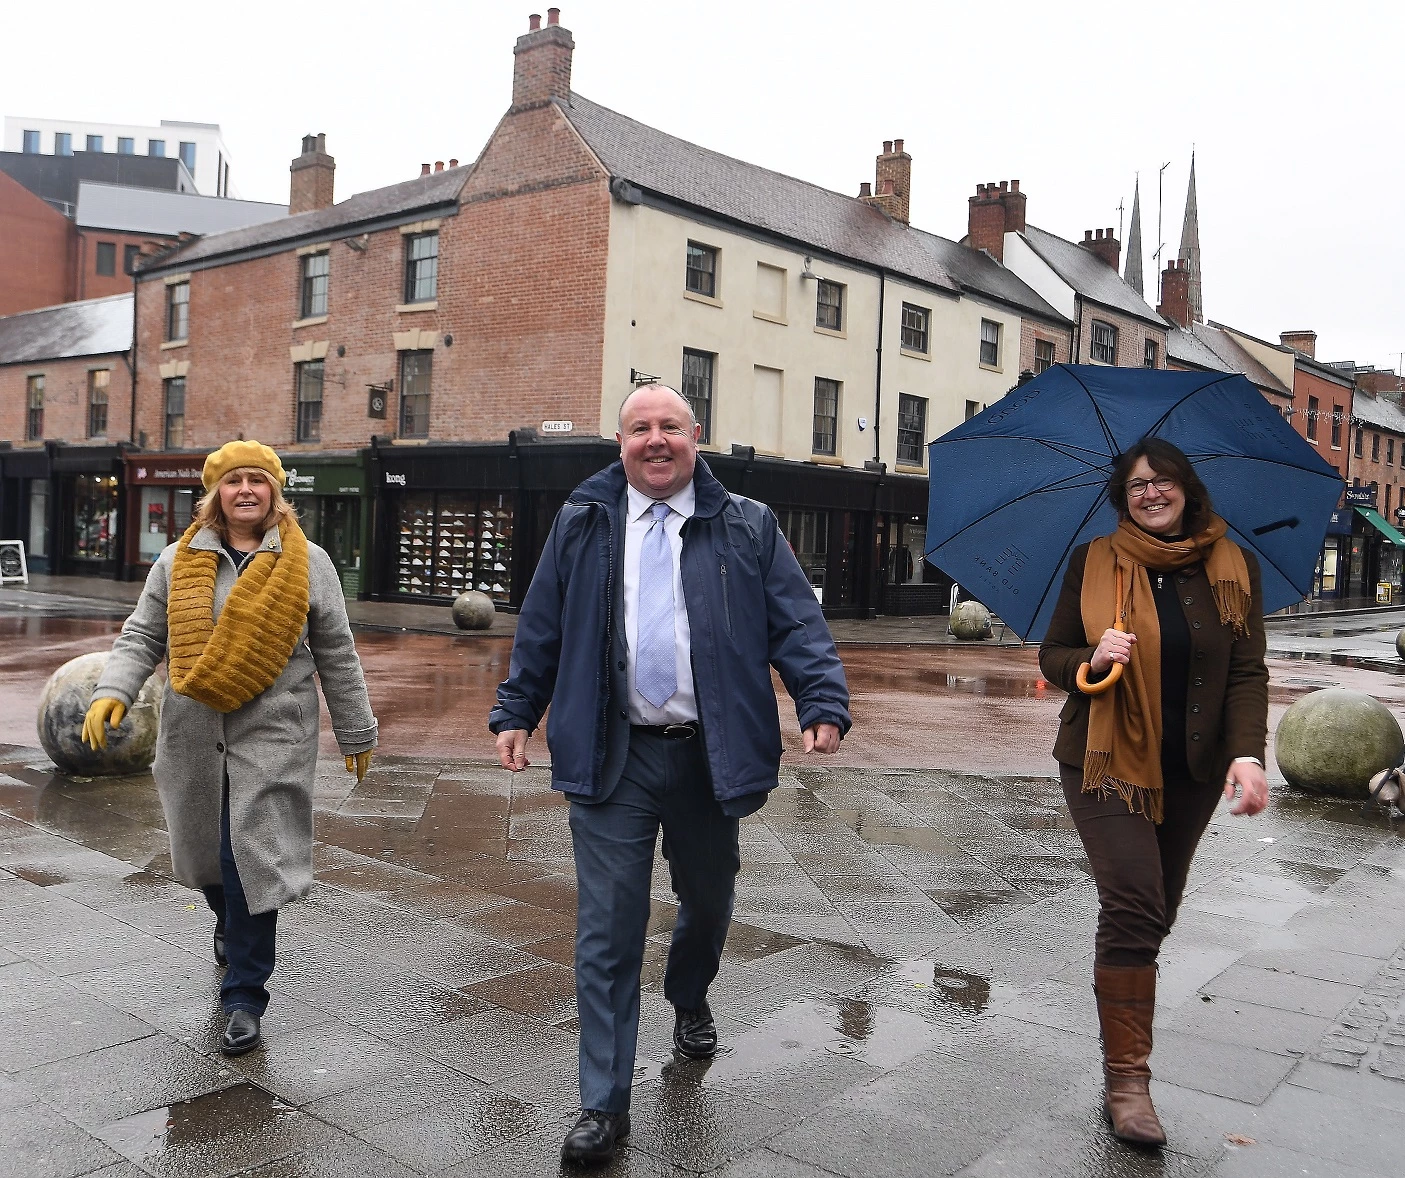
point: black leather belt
(670, 731)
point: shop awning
(1376, 521)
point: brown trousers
(1140, 868)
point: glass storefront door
(94, 518)
(162, 518)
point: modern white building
(200, 146)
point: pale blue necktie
(656, 664)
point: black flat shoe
(220, 959)
(241, 1033)
(593, 1140)
(694, 1033)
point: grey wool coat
(268, 747)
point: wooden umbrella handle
(1120, 625)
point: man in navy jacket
(652, 622)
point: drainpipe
(132, 367)
(878, 378)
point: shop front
(25, 504)
(86, 486)
(161, 491)
(329, 493)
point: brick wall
(1389, 476)
(1329, 394)
(36, 247)
(1032, 330)
(87, 282)
(1132, 335)
(521, 289)
(65, 399)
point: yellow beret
(233, 455)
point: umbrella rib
(1108, 436)
(1271, 461)
(1074, 452)
(1068, 548)
(1010, 503)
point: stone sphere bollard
(131, 746)
(970, 619)
(473, 610)
(1400, 644)
(1335, 740)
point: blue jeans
(248, 938)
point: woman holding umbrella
(1166, 708)
(243, 609)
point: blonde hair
(209, 513)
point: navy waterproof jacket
(749, 606)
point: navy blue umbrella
(1015, 489)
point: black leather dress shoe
(594, 1137)
(220, 959)
(241, 1033)
(694, 1033)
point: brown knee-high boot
(1126, 1004)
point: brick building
(1112, 323)
(65, 405)
(36, 251)
(470, 333)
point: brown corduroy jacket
(1226, 707)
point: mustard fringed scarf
(225, 664)
(1124, 723)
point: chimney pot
(1088, 235)
(439, 167)
(887, 147)
(898, 146)
(1110, 233)
(424, 169)
(553, 16)
(453, 163)
(864, 189)
(1004, 186)
(534, 22)
(1014, 185)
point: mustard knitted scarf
(225, 664)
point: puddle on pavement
(36, 875)
(224, 1128)
(956, 988)
(1312, 875)
(972, 906)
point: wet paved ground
(905, 989)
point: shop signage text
(1361, 496)
(154, 474)
(558, 427)
(394, 480)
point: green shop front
(329, 492)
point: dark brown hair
(1163, 458)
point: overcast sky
(1294, 110)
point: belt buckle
(679, 731)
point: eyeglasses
(1136, 488)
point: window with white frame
(912, 429)
(1103, 349)
(916, 322)
(698, 368)
(990, 343)
(309, 379)
(316, 269)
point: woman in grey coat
(244, 609)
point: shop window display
(94, 517)
(449, 543)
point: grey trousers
(665, 785)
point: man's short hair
(654, 384)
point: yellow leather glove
(101, 713)
(358, 763)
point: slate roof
(423, 192)
(1089, 275)
(167, 214)
(1183, 347)
(1379, 411)
(793, 209)
(1238, 358)
(94, 327)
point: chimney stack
(1300, 341)
(1104, 244)
(542, 70)
(995, 210)
(313, 174)
(1175, 294)
(892, 181)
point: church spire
(1190, 248)
(1133, 271)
